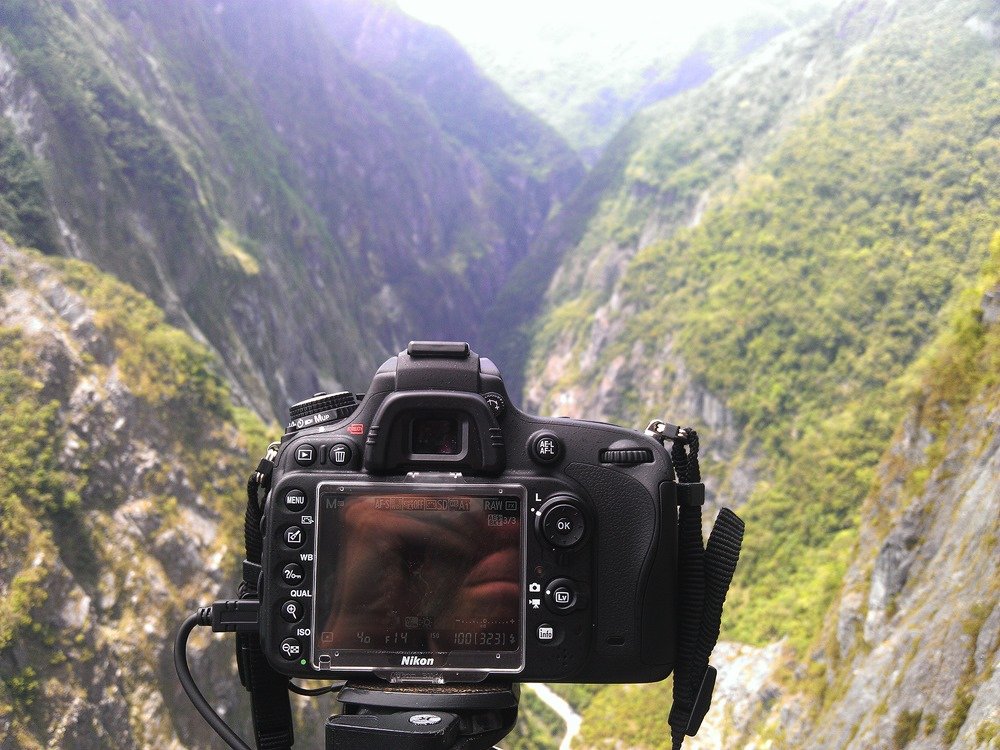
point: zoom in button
(291, 611)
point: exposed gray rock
(120, 572)
(746, 691)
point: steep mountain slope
(119, 495)
(586, 69)
(783, 319)
(912, 649)
(908, 657)
(767, 261)
(658, 172)
(529, 162)
(289, 207)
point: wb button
(563, 525)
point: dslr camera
(430, 532)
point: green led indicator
(302, 662)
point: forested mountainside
(120, 484)
(801, 258)
(908, 655)
(525, 157)
(285, 204)
(767, 259)
(587, 82)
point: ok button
(563, 525)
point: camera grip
(635, 534)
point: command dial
(321, 408)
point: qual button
(291, 611)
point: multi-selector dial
(561, 521)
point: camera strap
(704, 574)
(270, 705)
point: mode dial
(321, 408)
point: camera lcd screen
(398, 573)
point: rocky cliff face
(288, 206)
(908, 654)
(532, 167)
(912, 658)
(120, 484)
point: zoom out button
(291, 649)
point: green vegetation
(987, 732)
(58, 525)
(634, 715)
(159, 363)
(959, 713)
(907, 728)
(24, 212)
(537, 725)
(803, 297)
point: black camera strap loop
(270, 705)
(704, 574)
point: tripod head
(421, 717)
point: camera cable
(202, 618)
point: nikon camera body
(430, 532)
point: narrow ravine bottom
(561, 707)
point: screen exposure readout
(429, 573)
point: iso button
(291, 649)
(563, 525)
